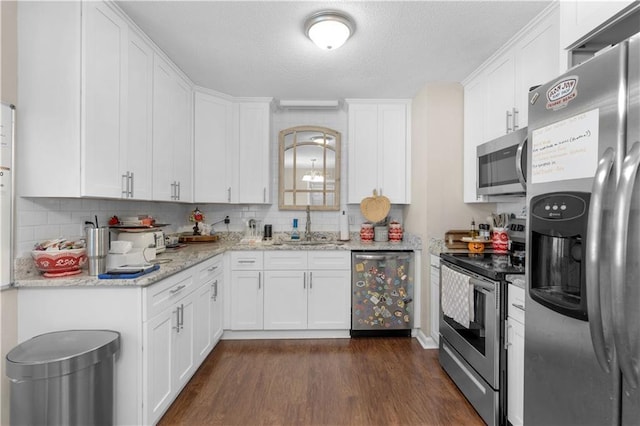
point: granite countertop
(173, 261)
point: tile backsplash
(38, 219)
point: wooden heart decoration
(375, 208)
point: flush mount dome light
(328, 29)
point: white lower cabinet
(515, 355)
(296, 290)
(434, 306)
(247, 292)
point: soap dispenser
(295, 234)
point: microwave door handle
(593, 259)
(621, 213)
(519, 169)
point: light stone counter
(173, 261)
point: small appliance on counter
(147, 239)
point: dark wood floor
(363, 381)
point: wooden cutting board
(198, 238)
(375, 208)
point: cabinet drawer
(210, 268)
(246, 260)
(286, 259)
(515, 303)
(158, 297)
(334, 259)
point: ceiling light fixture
(329, 29)
(313, 176)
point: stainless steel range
(472, 317)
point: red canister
(367, 233)
(500, 240)
(395, 232)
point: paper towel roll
(344, 226)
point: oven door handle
(481, 285)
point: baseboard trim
(427, 342)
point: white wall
(437, 174)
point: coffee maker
(517, 238)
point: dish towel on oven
(457, 296)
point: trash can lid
(61, 352)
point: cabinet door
(536, 63)
(163, 132)
(580, 17)
(363, 151)
(182, 147)
(183, 343)
(202, 322)
(285, 300)
(435, 302)
(139, 143)
(393, 167)
(213, 137)
(104, 64)
(515, 372)
(172, 144)
(329, 301)
(246, 300)
(158, 360)
(474, 113)
(253, 175)
(216, 308)
(500, 79)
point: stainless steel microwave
(502, 165)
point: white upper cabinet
(86, 106)
(580, 18)
(104, 45)
(496, 95)
(172, 144)
(139, 114)
(252, 180)
(379, 148)
(213, 140)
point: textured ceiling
(258, 48)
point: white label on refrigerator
(566, 150)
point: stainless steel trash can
(63, 378)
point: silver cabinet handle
(519, 166)
(178, 191)
(214, 285)
(125, 185)
(177, 289)
(247, 261)
(593, 261)
(131, 185)
(264, 195)
(229, 195)
(519, 306)
(259, 280)
(181, 316)
(211, 269)
(509, 129)
(310, 280)
(173, 190)
(621, 212)
(515, 119)
(177, 312)
(304, 280)
(507, 343)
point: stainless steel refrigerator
(382, 293)
(582, 324)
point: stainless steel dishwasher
(382, 293)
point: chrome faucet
(307, 227)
